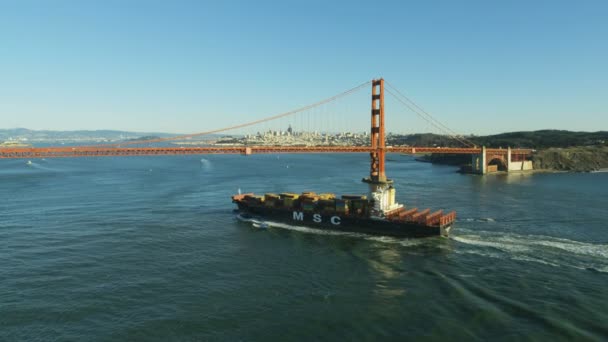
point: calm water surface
(147, 248)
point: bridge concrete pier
(480, 163)
(518, 165)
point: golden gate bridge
(377, 138)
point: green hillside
(544, 139)
(532, 139)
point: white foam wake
(537, 248)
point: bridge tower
(377, 172)
(380, 188)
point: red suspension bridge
(511, 159)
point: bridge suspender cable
(426, 116)
(443, 131)
(313, 105)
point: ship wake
(552, 251)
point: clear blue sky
(186, 66)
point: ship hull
(345, 223)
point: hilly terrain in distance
(556, 150)
(532, 139)
(49, 136)
(529, 139)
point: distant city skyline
(188, 66)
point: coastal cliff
(576, 159)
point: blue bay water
(148, 248)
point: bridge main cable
(292, 112)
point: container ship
(376, 213)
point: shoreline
(552, 160)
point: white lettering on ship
(316, 218)
(298, 215)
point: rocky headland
(575, 159)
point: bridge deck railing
(84, 151)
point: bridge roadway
(100, 151)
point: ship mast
(381, 190)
